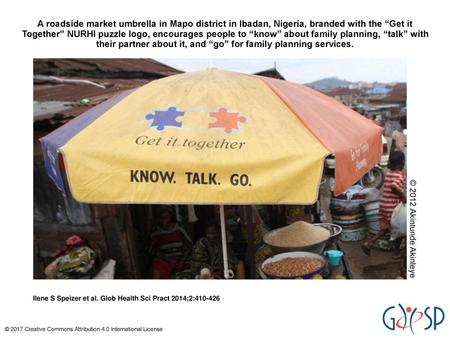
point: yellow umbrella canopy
(203, 137)
(211, 137)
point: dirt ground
(379, 265)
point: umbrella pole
(251, 249)
(226, 273)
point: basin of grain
(298, 235)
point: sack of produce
(398, 221)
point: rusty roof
(78, 91)
(104, 68)
(396, 94)
(56, 102)
(72, 93)
(341, 91)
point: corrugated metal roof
(341, 91)
(76, 92)
(57, 102)
(377, 91)
(397, 93)
(104, 68)
(62, 101)
(48, 108)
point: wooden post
(251, 249)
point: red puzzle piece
(226, 120)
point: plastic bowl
(371, 206)
(341, 205)
(296, 254)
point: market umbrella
(211, 137)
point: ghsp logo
(406, 318)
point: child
(393, 194)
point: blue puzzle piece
(164, 118)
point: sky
(306, 70)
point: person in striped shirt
(393, 194)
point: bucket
(371, 206)
(353, 235)
(334, 257)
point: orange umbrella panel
(355, 140)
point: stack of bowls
(371, 210)
(349, 214)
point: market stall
(211, 137)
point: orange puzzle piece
(226, 120)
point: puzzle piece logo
(229, 121)
(164, 118)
